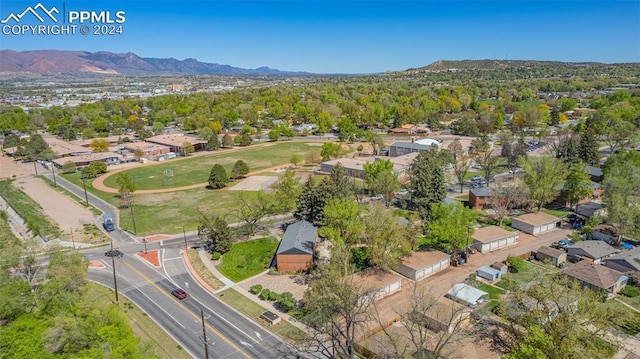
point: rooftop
(481, 192)
(299, 238)
(552, 252)
(594, 274)
(594, 171)
(174, 139)
(419, 260)
(537, 218)
(63, 148)
(595, 249)
(372, 280)
(399, 163)
(632, 257)
(413, 146)
(491, 233)
(98, 156)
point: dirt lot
(67, 213)
(255, 183)
(280, 283)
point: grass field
(254, 310)
(529, 273)
(555, 212)
(196, 170)
(246, 259)
(30, 211)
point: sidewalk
(228, 283)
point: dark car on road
(108, 223)
(113, 253)
(179, 293)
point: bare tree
(429, 329)
(506, 197)
(461, 161)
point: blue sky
(353, 36)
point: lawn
(529, 273)
(196, 170)
(494, 294)
(254, 310)
(246, 259)
(555, 212)
(30, 211)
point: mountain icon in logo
(33, 10)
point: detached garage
(490, 238)
(377, 284)
(420, 265)
(535, 223)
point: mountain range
(109, 63)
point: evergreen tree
(240, 169)
(218, 177)
(588, 147)
(338, 184)
(310, 203)
(216, 232)
(227, 141)
(427, 181)
(213, 142)
(568, 150)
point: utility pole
(184, 235)
(35, 167)
(204, 335)
(115, 281)
(72, 239)
(53, 170)
(133, 218)
(128, 200)
(84, 185)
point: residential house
(625, 261)
(377, 284)
(490, 238)
(597, 277)
(297, 248)
(593, 251)
(595, 173)
(467, 295)
(597, 192)
(557, 257)
(605, 232)
(489, 273)
(591, 209)
(480, 198)
(535, 223)
(420, 265)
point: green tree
(287, 190)
(534, 345)
(342, 222)
(188, 148)
(215, 232)
(227, 141)
(99, 145)
(252, 209)
(125, 183)
(427, 181)
(622, 192)
(450, 227)
(94, 169)
(240, 169)
(218, 177)
(588, 147)
(544, 177)
(577, 185)
(213, 142)
(381, 179)
(385, 235)
(295, 159)
(310, 203)
(330, 150)
(69, 167)
(243, 140)
(38, 149)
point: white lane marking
(172, 259)
(152, 301)
(186, 284)
(258, 335)
(246, 344)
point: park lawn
(30, 211)
(253, 310)
(194, 170)
(246, 259)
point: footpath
(229, 284)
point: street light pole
(133, 218)
(184, 235)
(53, 170)
(144, 240)
(115, 281)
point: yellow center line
(233, 345)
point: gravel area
(279, 283)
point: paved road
(230, 334)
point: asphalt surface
(229, 333)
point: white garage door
(494, 245)
(536, 230)
(428, 270)
(444, 264)
(502, 243)
(485, 248)
(419, 273)
(511, 240)
(394, 286)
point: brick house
(479, 198)
(297, 248)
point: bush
(630, 291)
(255, 289)
(516, 264)
(215, 256)
(286, 302)
(265, 294)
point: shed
(297, 248)
(488, 273)
(420, 265)
(467, 295)
(555, 256)
(503, 268)
(490, 238)
(596, 251)
(535, 223)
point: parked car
(179, 293)
(476, 178)
(565, 243)
(114, 253)
(377, 197)
(574, 258)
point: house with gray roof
(626, 261)
(480, 197)
(595, 173)
(596, 251)
(297, 248)
(402, 148)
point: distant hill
(104, 62)
(498, 65)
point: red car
(179, 293)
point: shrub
(630, 291)
(286, 302)
(255, 289)
(215, 256)
(516, 264)
(265, 294)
